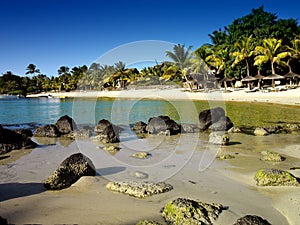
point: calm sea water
(125, 111)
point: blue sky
(54, 33)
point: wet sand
(185, 161)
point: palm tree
(244, 50)
(294, 51)
(180, 56)
(271, 50)
(218, 59)
(31, 69)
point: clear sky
(54, 33)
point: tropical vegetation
(256, 43)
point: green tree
(180, 56)
(32, 70)
(270, 51)
(244, 49)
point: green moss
(275, 177)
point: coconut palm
(180, 56)
(293, 52)
(270, 51)
(31, 69)
(244, 50)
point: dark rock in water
(139, 190)
(210, 116)
(139, 127)
(147, 222)
(10, 140)
(69, 171)
(27, 133)
(162, 124)
(275, 177)
(186, 211)
(3, 221)
(65, 124)
(223, 124)
(107, 132)
(189, 128)
(49, 130)
(251, 220)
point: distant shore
(289, 97)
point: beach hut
(259, 77)
(291, 76)
(225, 80)
(248, 79)
(273, 77)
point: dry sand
(192, 169)
(291, 96)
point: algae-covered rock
(183, 211)
(226, 156)
(275, 177)
(69, 171)
(219, 138)
(141, 155)
(147, 222)
(271, 156)
(139, 175)
(251, 220)
(138, 189)
(111, 149)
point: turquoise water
(126, 111)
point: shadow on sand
(110, 170)
(16, 190)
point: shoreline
(288, 97)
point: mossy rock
(147, 222)
(275, 177)
(141, 155)
(139, 189)
(271, 156)
(226, 156)
(183, 211)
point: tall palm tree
(294, 51)
(270, 51)
(180, 56)
(31, 69)
(218, 59)
(244, 50)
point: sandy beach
(290, 96)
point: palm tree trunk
(248, 68)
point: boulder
(271, 156)
(223, 124)
(210, 116)
(219, 138)
(69, 171)
(3, 221)
(139, 190)
(139, 127)
(260, 131)
(251, 220)
(49, 130)
(147, 222)
(189, 128)
(107, 132)
(27, 133)
(187, 211)
(162, 125)
(66, 124)
(10, 140)
(275, 177)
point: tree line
(256, 43)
